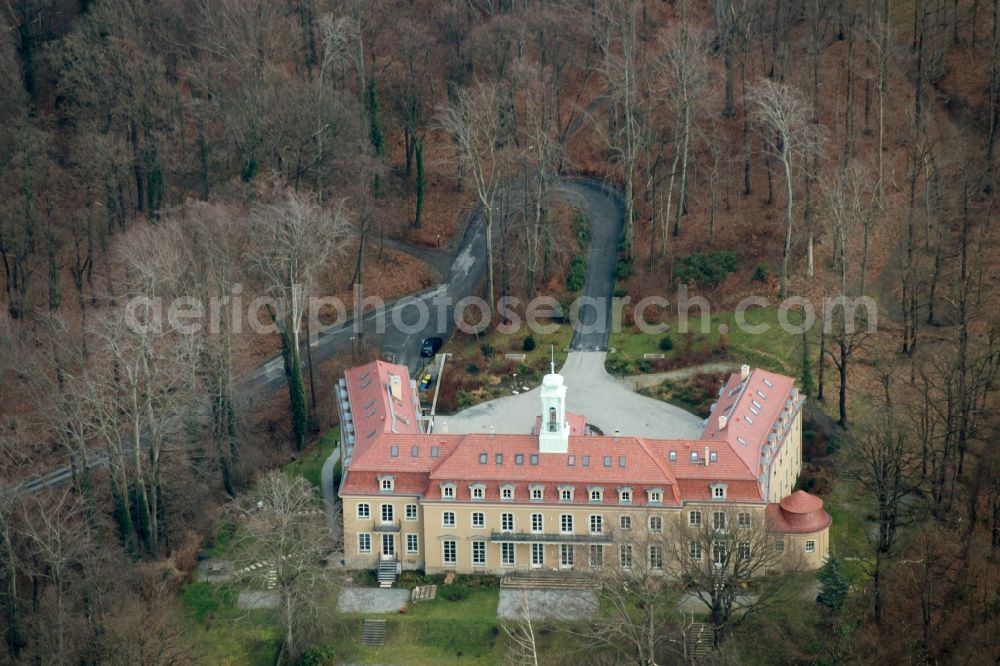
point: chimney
(617, 434)
(492, 431)
(395, 388)
(744, 371)
(706, 456)
(723, 420)
(444, 428)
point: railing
(386, 526)
(562, 537)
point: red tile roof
(388, 436)
(798, 513)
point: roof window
(394, 451)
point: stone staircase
(541, 579)
(700, 640)
(373, 632)
(386, 573)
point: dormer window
(507, 492)
(565, 493)
(718, 491)
(385, 483)
(478, 491)
(655, 496)
(625, 495)
(596, 494)
(537, 493)
(448, 491)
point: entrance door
(388, 546)
(537, 555)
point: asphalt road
(399, 329)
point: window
(483, 458)
(448, 519)
(387, 513)
(694, 518)
(656, 496)
(571, 460)
(596, 494)
(655, 524)
(625, 522)
(435, 451)
(414, 451)
(743, 519)
(507, 492)
(498, 458)
(719, 520)
(411, 511)
(364, 511)
(412, 543)
(719, 552)
(394, 451)
(621, 461)
(536, 522)
(625, 495)
(537, 554)
(507, 554)
(673, 456)
(536, 494)
(450, 556)
(718, 492)
(810, 546)
(478, 492)
(553, 420)
(566, 555)
(565, 494)
(596, 556)
(478, 520)
(364, 543)
(743, 551)
(607, 461)
(479, 553)
(625, 556)
(566, 522)
(713, 457)
(655, 557)
(586, 461)
(534, 458)
(386, 483)
(694, 550)
(596, 524)
(779, 546)
(448, 491)
(507, 522)
(519, 459)
(694, 456)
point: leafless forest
(181, 147)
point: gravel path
(639, 382)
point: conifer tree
(833, 585)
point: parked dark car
(430, 347)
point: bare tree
(782, 116)
(283, 529)
(477, 124)
(294, 241)
(727, 559)
(884, 464)
(521, 633)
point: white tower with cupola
(553, 435)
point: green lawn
(775, 350)
(309, 463)
(219, 633)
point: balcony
(536, 537)
(386, 526)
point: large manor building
(563, 497)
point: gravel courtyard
(372, 600)
(591, 392)
(546, 604)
